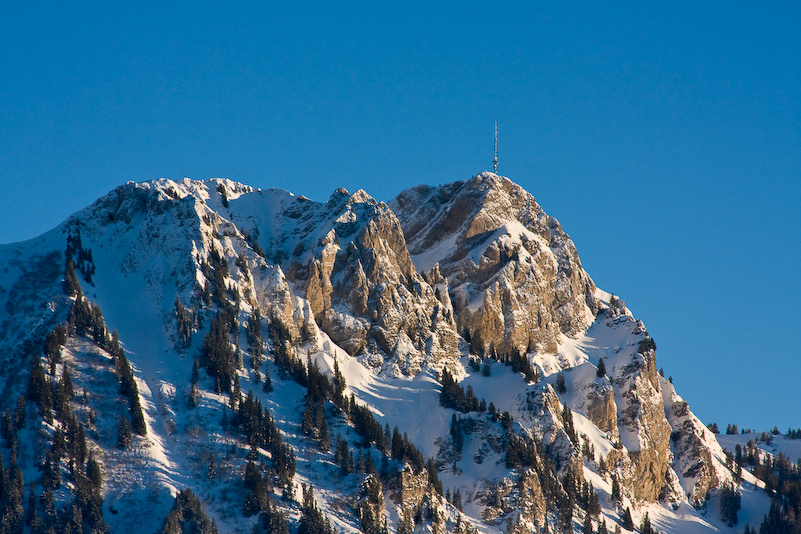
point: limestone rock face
(600, 407)
(693, 446)
(514, 277)
(355, 271)
(644, 431)
(531, 501)
(413, 489)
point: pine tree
(601, 368)
(343, 457)
(193, 396)
(560, 383)
(267, 386)
(212, 469)
(30, 513)
(124, 433)
(325, 440)
(184, 320)
(457, 500)
(626, 520)
(72, 287)
(587, 525)
(567, 420)
(729, 505)
(187, 515)
(615, 489)
(645, 526)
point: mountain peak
(337, 198)
(486, 179)
(459, 314)
(361, 197)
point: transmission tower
(495, 161)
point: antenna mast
(495, 161)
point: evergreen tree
(325, 440)
(124, 433)
(72, 288)
(601, 368)
(560, 383)
(457, 500)
(370, 507)
(184, 321)
(267, 386)
(193, 396)
(729, 505)
(567, 420)
(626, 520)
(457, 434)
(645, 526)
(343, 457)
(312, 520)
(587, 529)
(30, 513)
(271, 521)
(194, 377)
(187, 516)
(615, 489)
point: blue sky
(666, 139)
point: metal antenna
(495, 161)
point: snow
(779, 443)
(426, 260)
(145, 261)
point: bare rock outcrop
(644, 431)
(600, 407)
(365, 293)
(514, 277)
(693, 446)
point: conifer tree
(626, 520)
(72, 287)
(124, 433)
(615, 489)
(645, 526)
(587, 528)
(729, 505)
(560, 383)
(193, 396)
(601, 368)
(187, 516)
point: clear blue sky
(667, 140)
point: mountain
(203, 354)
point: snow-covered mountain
(440, 363)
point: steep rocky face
(693, 446)
(659, 450)
(413, 489)
(600, 407)
(514, 278)
(364, 291)
(643, 428)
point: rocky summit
(203, 356)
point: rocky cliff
(513, 276)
